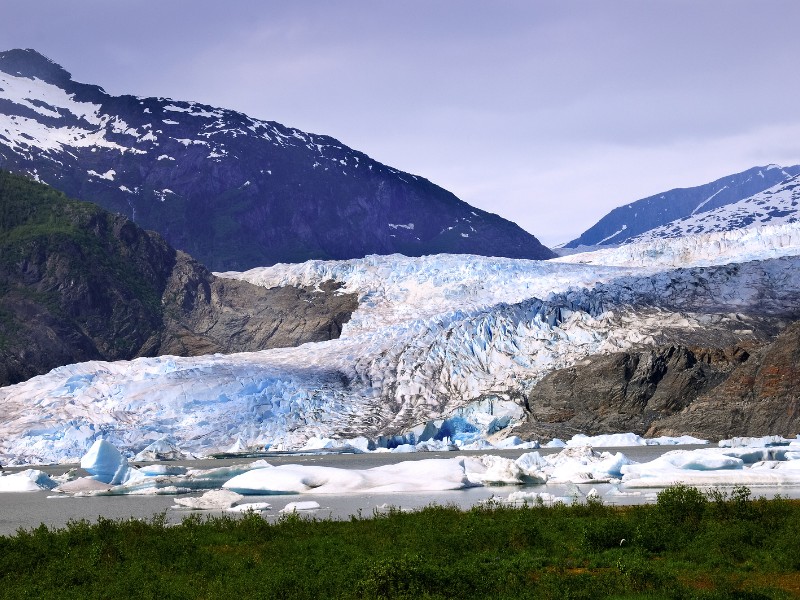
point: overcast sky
(547, 113)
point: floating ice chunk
(581, 464)
(213, 500)
(254, 506)
(532, 461)
(161, 449)
(674, 441)
(297, 506)
(316, 443)
(767, 440)
(556, 443)
(162, 470)
(83, 485)
(30, 480)
(630, 439)
(360, 444)
(601, 441)
(480, 444)
(716, 466)
(404, 448)
(436, 446)
(516, 443)
(107, 464)
(408, 476)
(488, 469)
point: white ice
(422, 475)
(752, 466)
(29, 480)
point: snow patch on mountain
(779, 204)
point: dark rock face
(760, 397)
(744, 390)
(626, 222)
(78, 283)
(204, 314)
(626, 391)
(232, 191)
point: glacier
(435, 337)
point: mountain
(232, 191)
(760, 397)
(78, 283)
(625, 223)
(776, 205)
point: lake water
(28, 510)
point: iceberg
(29, 480)
(212, 500)
(293, 507)
(410, 476)
(161, 449)
(750, 466)
(107, 464)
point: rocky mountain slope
(78, 283)
(712, 393)
(776, 205)
(625, 223)
(760, 397)
(232, 191)
(630, 391)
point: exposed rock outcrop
(760, 397)
(204, 314)
(78, 283)
(745, 390)
(625, 391)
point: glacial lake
(29, 509)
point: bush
(681, 505)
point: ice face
(107, 464)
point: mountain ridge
(78, 283)
(629, 221)
(232, 191)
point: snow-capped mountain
(233, 191)
(778, 204)
(433, 336)
(657, 213)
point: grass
(686, 546)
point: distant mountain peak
(30, 63)
(635, 219)
(233, 191)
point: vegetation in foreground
(688, 545)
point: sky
(548, 113)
